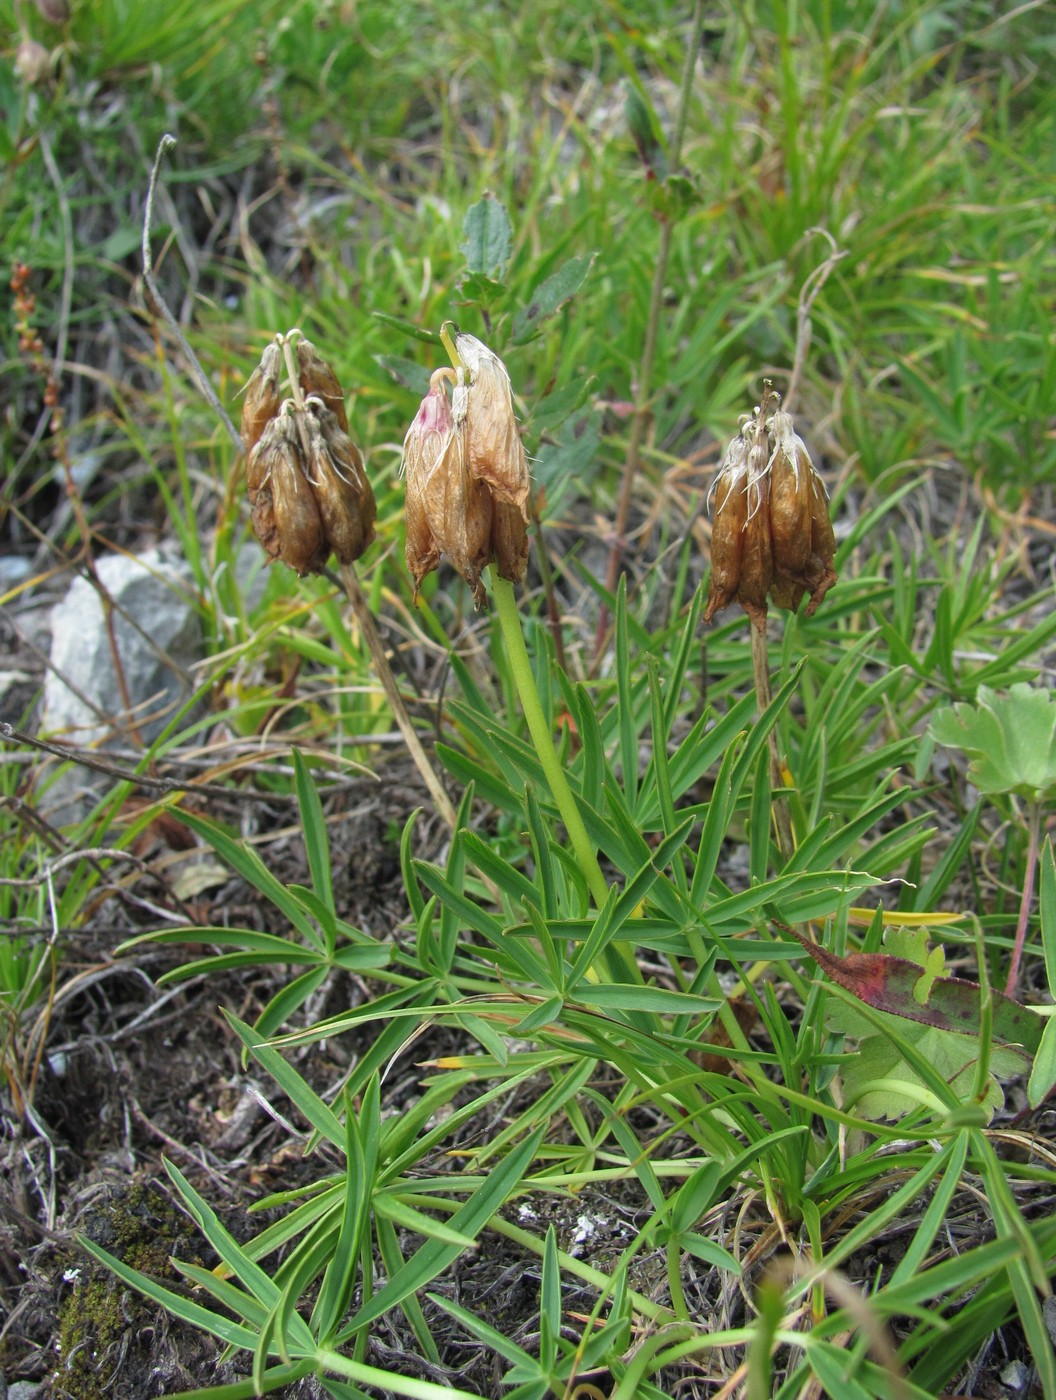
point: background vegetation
(840, 1201)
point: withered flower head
(448, 512)
(772, 533)
(304, 475)
(467, 474)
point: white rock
(158, 636)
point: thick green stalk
(510, 622)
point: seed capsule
(757, 561)
(509, 542)
(342, 492)
(494, 450)
(285, 516)
(448, 512)
(791, 480)
(318, 379)
(820, 575)
(262, 399)
(727, 533)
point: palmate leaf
(1010, 740)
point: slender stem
(510, 622)
(761, 674)
(1033, 842)
(388, 684)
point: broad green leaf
(487, 237)
(550, 412)
(888, 984)
(1010, 740)
(550, 296)
(1043, 1071)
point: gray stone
(13, 571)
(157, 636)
(25, 1390)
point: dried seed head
(727, 532)
(262, 399)
(304, 475)
(757, 560)
(448, 512)
(54, 11)
(342, 491)
(285, 516)
(32, 62)
(318, 379)
(784, 545)
(494, 450)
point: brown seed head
(494, 450)
(54, 11)
(772, 534)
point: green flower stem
(510, 622)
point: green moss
(100, 1320)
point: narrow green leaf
(233, 1333)
(434, 1256)
(1047, 872)
(297, 1090)
(245, 862)
(313, 825)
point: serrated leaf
(550, 296)
(878, 1083)
(1010, 740)
(487, 237)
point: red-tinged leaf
(888, 983)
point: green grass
(328, 156)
